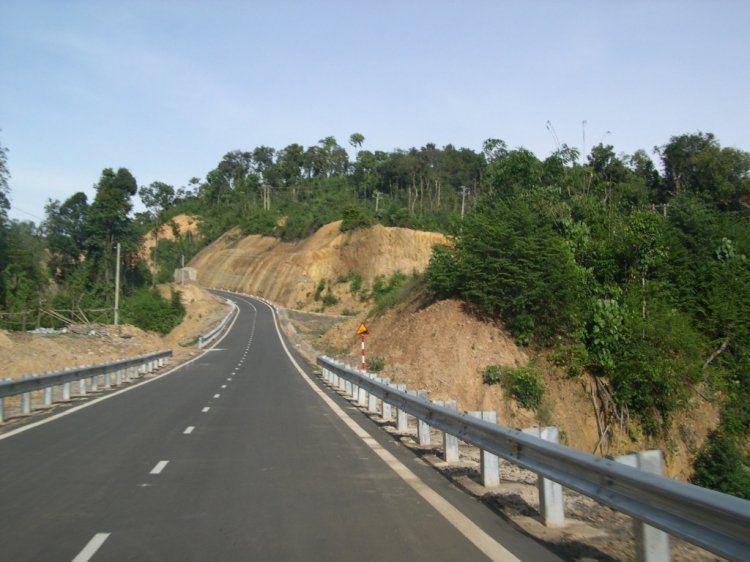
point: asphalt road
(234, 456)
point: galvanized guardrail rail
(717, 522)
(130, 367)
(203, 340)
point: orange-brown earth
(288, 273)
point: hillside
(440, 346)
(288, 273)
(444, 348)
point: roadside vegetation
(632, 269)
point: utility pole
(377, 200)
(117, 287)
(464, 189)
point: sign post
(362, 331)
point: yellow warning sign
(362, 331)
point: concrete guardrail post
(651, 544)
(385, 407)
(423, 428)
(450, 442)
(362, 396)
(26, 400)
(47, 394)
(348, 387)
(82, 386)
(372, 400)
(402, 419)
(66, 391)
(118, 377)
(107, 380)
(489, 463)
(95, 383)
(551, 501)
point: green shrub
(374, 364)
(355, 217)
(524, 384)
(148, 310)
(319, 289)
(720, 465)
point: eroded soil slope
(287, 273)
(442, 347)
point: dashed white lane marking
(90, 549)
(189, 430)
(223, 386)
(206, 409)
(216, 395)
(484, 542)
(229, 378)
(125, 389)
(159, 467)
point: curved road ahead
(238, 455)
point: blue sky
(166, 88)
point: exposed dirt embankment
(288, 273)
(445, 349)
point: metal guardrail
(717, 522)
(203, 340)
(30, 383)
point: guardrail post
(450, 442)
(423, 428)
(362, 396)
(372, 400)
(26, 400)
(651, 544)
(66, 391)
(385, 407)
(95, 383)
(82, 386)
(489, 462)
(551, 501)
(107, 380)
(47, 394)
(402, 420)
(118, 377)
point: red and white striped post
(362, 331)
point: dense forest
(633, 271)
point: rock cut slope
(287, 273)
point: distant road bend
(240, 454)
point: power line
(25, 212)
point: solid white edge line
(189, 430)
(489, 546)
(90, 549)
(119, 392)
(159, 467)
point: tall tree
(65, 231)
(356, 140)
(109, 222)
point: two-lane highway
(238, 455)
